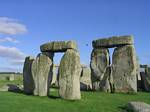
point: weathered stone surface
(145, 81)
(138, 107)
(41, 71)
(115, 41)
(124, 69)
(85, 79)
(27, 75)
(99, 63)
(138, 69)
(106, 84)
(69, 75)
(11, 77)
(58, 46)
(54, 81)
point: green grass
(5, 82)
(90, 102)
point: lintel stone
(115, 41)
(58, 46)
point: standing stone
(27, 76)
(69, 75)
(99, 63)
(124, 69)
(145, 81)
(54, 75)
(54, 81)
(106, 84)
(42, 70)
(85, 79)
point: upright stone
(145, 79)
(54, 76)
(28, 81)
(99, 63)
(85, 79)
(41, 70)
(69, 75)
(106, 84)
(124, 69)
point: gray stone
(124, 69)
(41, 71)
(138, 69)
(58, 46)
(138, 107)
(143, 66)
(106, 84)
(54, 81)
(4, 88)
(69, 75)
(99, 63)
(54, 78)
(11, 77)
(85, 79)
(27, 75)
(145, 79)
(115, 41)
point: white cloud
(11, 53)
(11, 26)
(8, 39)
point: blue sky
(26, 24)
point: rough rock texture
(106, 84)
(27, 75)
(41, 71)
(145, 79)
(85, 79)
(54, 75)
(99, 63)
(58, 46)
(124, 69)
(138, 107)
(69, 75)
(115, 41)
(138, 69)
(54, 81)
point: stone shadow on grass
(14, 88)
(54, 97)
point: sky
(26, 24)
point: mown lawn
(90, 102)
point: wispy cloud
(11, 26)
(11, 53)
(8, 39)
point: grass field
(90, 102)
(18, 80)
